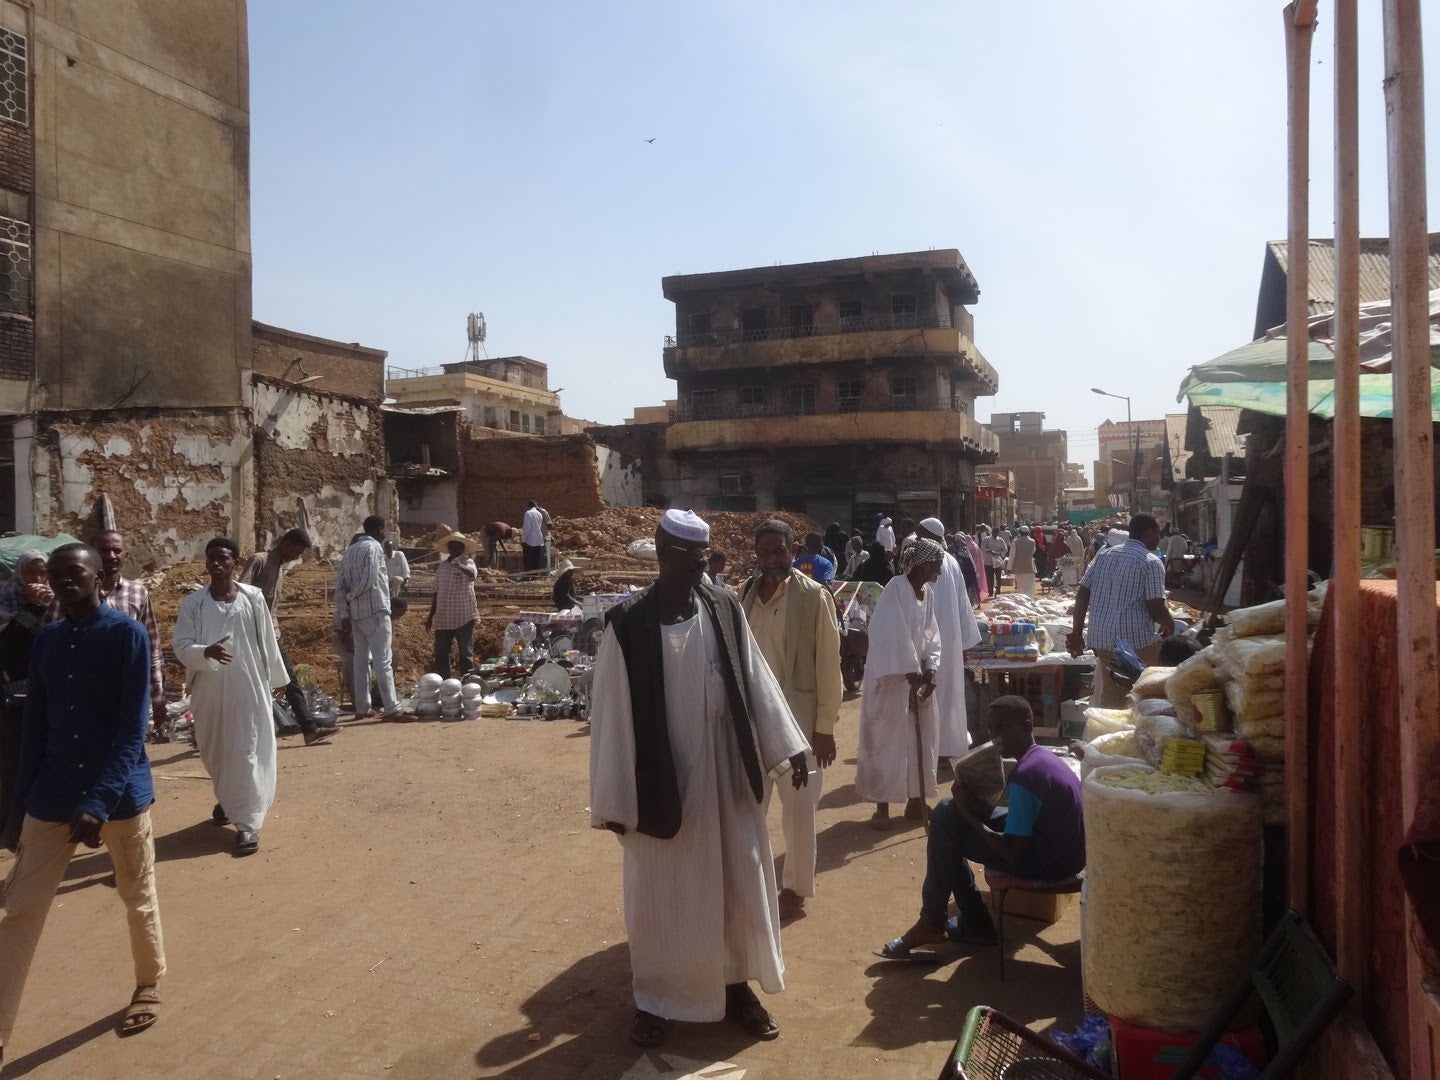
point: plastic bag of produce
(1272, 727)
(1247, 703)
(1251, 656)
(1267, 747)
(1154, 707)
(1270, 618)
(1194, 676)
(1153, 955)
(1116, 748)
(1103, 721)
(1152, 682)
(1152, 731)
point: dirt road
(430, 902)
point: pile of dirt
(603, 537)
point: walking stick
(920, 759)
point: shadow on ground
(24, 1066)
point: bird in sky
(649, 140)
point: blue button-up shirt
(82, 749)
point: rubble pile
(603, 537)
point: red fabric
(1383, 998)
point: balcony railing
(850, 324)
(687, 411)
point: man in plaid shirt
(453, 610)
(133, 599)
(1125, 586)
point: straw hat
(458, 538)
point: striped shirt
(455, 604)
(1120, 581)
(362, 590)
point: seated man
(1044, 836)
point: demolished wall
(325, 448)
(176, 478)
(500, 475)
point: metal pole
(1298, 40)
(1351, 836)
(1414, 453)
(1134, 455)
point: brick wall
(501, 475)
(17, 347)
(17, 157)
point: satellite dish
(475, 327)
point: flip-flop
(898, 950)
(142, 1012)
(647, 1029)
(398, 718)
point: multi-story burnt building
(838, 389)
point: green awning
(1253, 377)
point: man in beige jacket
(793, 619)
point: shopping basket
(995, 1047)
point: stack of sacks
(1249, 656)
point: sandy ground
(430, 902)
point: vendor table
(1042, 682)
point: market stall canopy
(12, 547)
(1253, 376)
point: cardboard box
(1049, 908)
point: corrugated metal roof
(1222, 436)
(1374, 269)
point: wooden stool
(1000, 883)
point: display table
(1045, 683)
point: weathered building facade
(838, 389)
(505, 393)
(1037, 457)
(125, 268)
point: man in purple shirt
(1043, 838)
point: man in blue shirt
(815, 562)
(83, 779)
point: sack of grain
(1172, 895)
(1116, 748)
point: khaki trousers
(39, 867)
(797, 825)
(1105, 692)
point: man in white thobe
(958, 631)
(687, 724)
(899, 723)
(885, 536)
(1022, 562)
(226, 641)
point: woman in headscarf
(899, 723)
(876, 568)
(23, 603)
(836, 541)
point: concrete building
(1141, 445)
(125, 352)
(839, 389)
(506, 393)
(1038, 457)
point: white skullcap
(934, 525)
(686, 525)
(1116, 537)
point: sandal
(247, 842)
(398, 718)
(743, 1007)
(142, 1012)
(647, 1029)
(898, 950)
(218, 816)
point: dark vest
(637, 628)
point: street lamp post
(1131, 437)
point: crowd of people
(707, 702)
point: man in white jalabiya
(899, 723)
(1022, 562)
(958, 631)
(227, 643)
(687, 723)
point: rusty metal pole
(1350, 816)
(1299, 36)
(1414, 452)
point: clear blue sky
(1110, 172)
